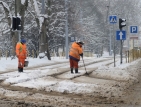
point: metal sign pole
(113, 20)
(110, 43)
(121, 52)
(133, 49)
(114, 47)
(19, 32)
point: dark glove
(81, 55)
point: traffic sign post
(121, 34)
(112, 20)
(134, 33)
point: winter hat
(23, 41)
(80, 42)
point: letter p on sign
(133, 29)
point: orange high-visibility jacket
(75, 51)
(21, 50)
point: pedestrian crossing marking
(113, 20)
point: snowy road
(52, 85)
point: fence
(62, 54)
(7, 54)
(132, 55)
(34, 54)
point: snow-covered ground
(40, 73)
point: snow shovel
(85, 67)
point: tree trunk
(48, 32)
(43, 37)
(22, 9)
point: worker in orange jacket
(21, 54)
(74, 55)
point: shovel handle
(84, 65)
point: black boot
(72, 70)
(21, 69)
(76, 70)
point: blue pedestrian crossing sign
(120, 35)
(133, 29)
(113, 19)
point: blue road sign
(133, 29)
(72, 39)
(113, 19)
(120, 35)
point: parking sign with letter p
(133, 29)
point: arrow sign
(120, 35)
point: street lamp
(108, 7)
(66, 29)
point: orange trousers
(73, 63)
(21, 62)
